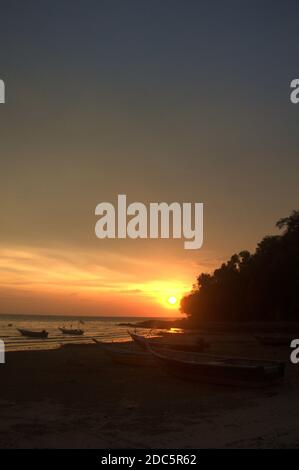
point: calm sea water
(102, 328)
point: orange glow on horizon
(48, 281)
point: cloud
(93, 279)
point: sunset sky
(162, 101)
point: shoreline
(278, 327)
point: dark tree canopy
(249, 287)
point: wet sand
(76, 397)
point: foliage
(249, 287)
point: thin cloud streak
(95, 279)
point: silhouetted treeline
(261, 286)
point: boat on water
(33, 334)
(219, 370)
(199, 346)
(72, 331)
(126, 355)
(274, 340)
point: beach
(76, 397)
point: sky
(161, 101)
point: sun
(172, 300)
(166, 293)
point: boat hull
(76, 332)
(33, 334)
(142, 342)
(222, 371)
(274, 340)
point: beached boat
(219, 370)
(199, 346)
(138, 339)
(33, 334)
(72, 331)
(125, 355)
(274, 340)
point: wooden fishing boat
(274, 340)
(199, 346)
(72, 331)
(125, 355)
(138, 339)
(219, 370)
(33, 334)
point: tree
(260, 286)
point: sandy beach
(77, 397)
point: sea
(103, 328)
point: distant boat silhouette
(71, 331)
(33, 334)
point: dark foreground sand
(76, 397)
